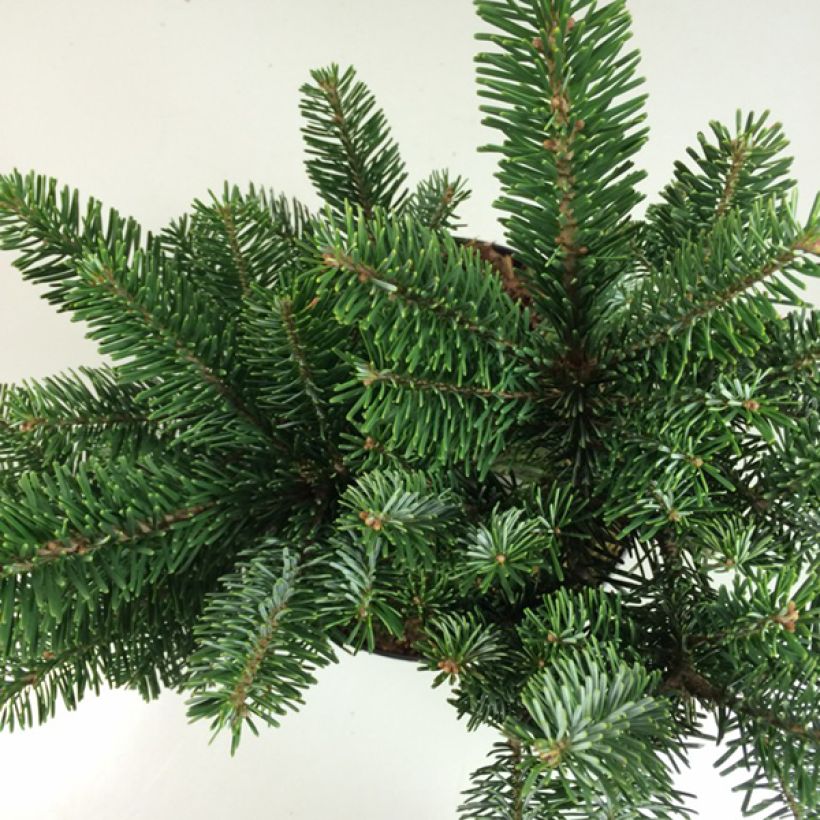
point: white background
(148, 103)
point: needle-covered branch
(353, 158)
(559, 84)
(258, 642)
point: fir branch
(139, 644)
(302, 364)
(18, 452)
(361, 592)
(396, 270)
(104, 276)
(72, 415)
(771, 718)
(240, 263)
(739, 154)
(238, 238)
(48, 230)
(732, 171)
(778, 263)
(709, 279)
(582, 709)
(289, 347)
(258, 643)
(352, 156)
(383, 281)
(59, 548)
(558, 86)
(371, 377)
(402, 512)
(83, 531)
(436, 199)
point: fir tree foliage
(575, 476)
(352, 157)
(258, 639)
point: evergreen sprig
(257, 642)
(353, 158)
(60, 417)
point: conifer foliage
(576, 478)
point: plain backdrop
(147, 104)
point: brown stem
(28, 424)
(239, 695)
(366, 273)
(302, 364)
(446, 387)
(739, 154)
(58, 548)
(357, 171)
(240, 264)
(441, 207)
(794, 808)
(561, 146)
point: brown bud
(789, 620)
(811, 245)
(449, 666)
(751, 405)
(501, 558)
(552, 756)
(537, 43)
(331, 261)
(372, 521)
